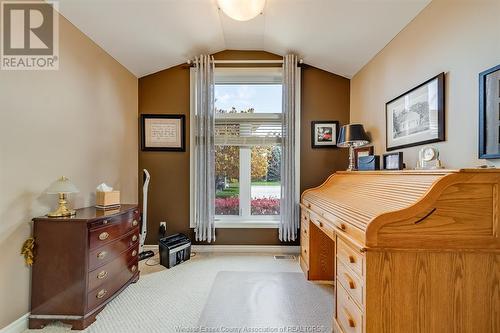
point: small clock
(428, 158)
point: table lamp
(352, 136)
(62, 186)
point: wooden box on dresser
(81, 263)
(413, 251)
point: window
(248, 146)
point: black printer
(174, 250)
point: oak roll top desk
(408, 251)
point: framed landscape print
(324, 134)
(163, 132)
(489, 113)
(417, 116)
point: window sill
(247, 224)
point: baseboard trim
(18, 326)
(271, 249)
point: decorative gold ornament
(28, 251)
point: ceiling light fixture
(242, 10)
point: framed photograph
(324, 134)
(417, 116)
(163, 132)
(362, 151)
(393, 161)
(489, 113)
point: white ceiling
(146, 36)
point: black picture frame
(440, 115)
(400, 166)
(482, 151)
(181, 117)
(335, 135)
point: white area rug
(267, 302)
(167, 300)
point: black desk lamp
(352, 136)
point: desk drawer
(352, 259)
(326, 227)
(107, 253)
(116, 228)
(349, 317)
(350, 282)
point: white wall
(81, 122)
(459, 37)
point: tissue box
(104, 199)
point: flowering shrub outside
(262, 206)
(227, 206)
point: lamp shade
(62, 185)
(352, 135)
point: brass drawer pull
(352, 260)
(101, 293)
(134, 253)
(352, 285)
(102, 275)
(134, 223)
(101, 255)
(350, 321)
(134, 238)
(103, 235)
(105, 222)
(133, 268)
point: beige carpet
(267, 302)
(167, 301)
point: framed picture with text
(163, 132)
(417, 116)
(324, 133)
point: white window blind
(248, 129)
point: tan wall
(81, 122)
(460, 38)
(325, 96)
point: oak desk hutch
(408, 251)
(81, 263)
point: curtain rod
(191, 63)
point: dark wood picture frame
(325, 122)
(369, 149)
(180, 117)
(440, 114)
(482, 113)
(400, 161)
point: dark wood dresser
(81, 263)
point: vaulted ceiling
(146, 36)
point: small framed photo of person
(324, 134)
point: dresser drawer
(326, 227)
(350, 257)
(114, 229)
(110, 251)
(350, 282)
(349, 317)
(108, 289)
(108, 272)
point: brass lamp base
(62, 210)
